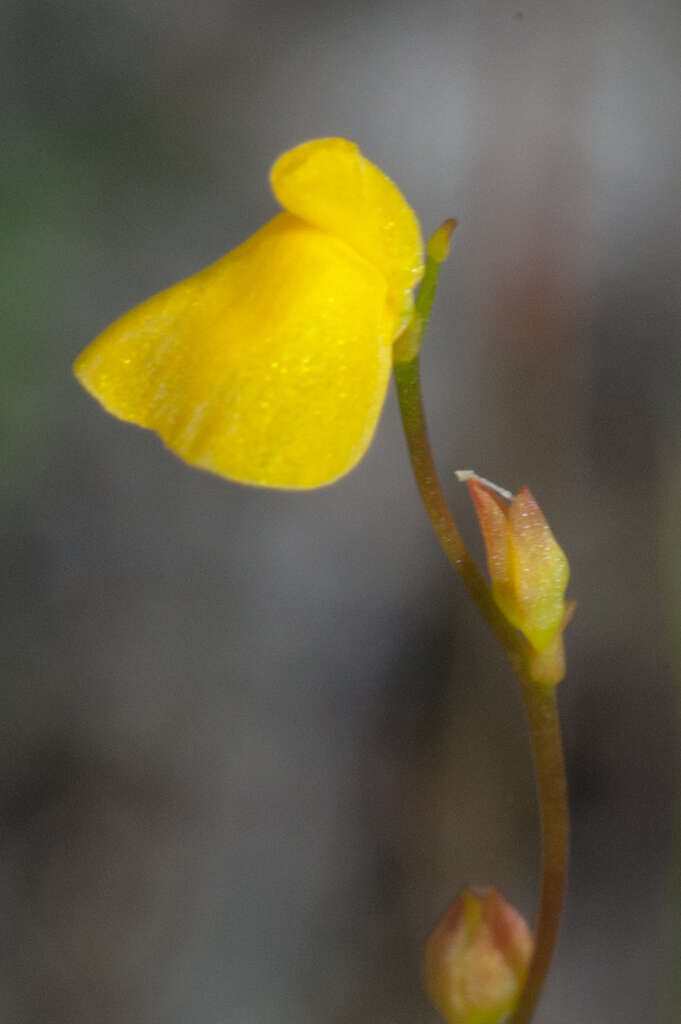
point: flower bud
(476, 959)
(528, 570)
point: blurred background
(251, 743)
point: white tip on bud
(463, 475)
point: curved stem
(540, 701)
(408, 382)
(541, 707)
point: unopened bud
(476, 959)
(528, 570)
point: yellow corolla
(271, 366)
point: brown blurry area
(252, 743)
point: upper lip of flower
(271, 366)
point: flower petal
(327, 182)
(268, 367)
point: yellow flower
(271, 366)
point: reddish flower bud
(528, 570)
(477, 957)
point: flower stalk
(407, 373)
(541, 708)
(539, 699)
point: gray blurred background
(251, 743)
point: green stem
(408, 381)
(540, 701)
(541, 707)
